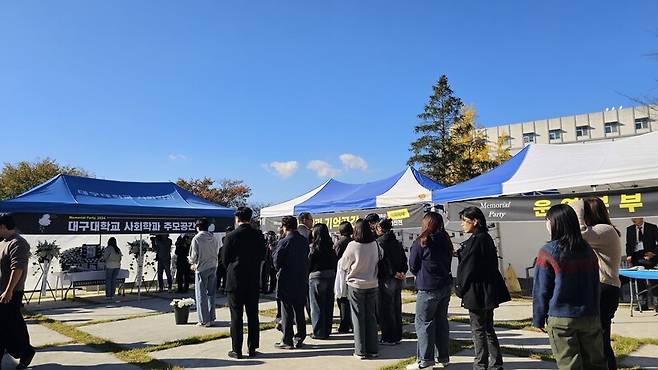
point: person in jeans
(203, 257)
(360, 264)
(182, 264)
(243, 252)
(162, 246)
(565, 295)
(429, 260)
(14, 259)
(390, 283)
(112, 257)
(292, 264)
(481, 287)
(605, 240)
(322, 274)
(346, 230)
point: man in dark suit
(243, 251)
(291, 262)
(641, 248)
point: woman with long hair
(391, 279)
(323, 261)
(481, 287)
(345, 230)
(112, 257)
(360, 264)
(429, 260)
(566, 293)
(605, 240)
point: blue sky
(156, 90)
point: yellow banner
(398, 214)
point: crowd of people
(575, 294)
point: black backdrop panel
(621, 204)
(55, 224)
(403, 217)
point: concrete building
(608, 124)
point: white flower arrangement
(135, 247)
(46, 251)
(181, 303)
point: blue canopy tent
(335, 201)
(71, 204)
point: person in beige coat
(605, 240)
(112, 257)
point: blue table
(634, 276)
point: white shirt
(640, 244)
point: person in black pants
(14, 258)
(243, 251)
(642, 250)
(292, 264)
(221, 267)
(182, 264)
(390, 283)
(346, 230)
(322, 268)
(481, 287)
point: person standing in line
(112, 257)
(14, 259)
(221, 266)
(360, 264)
(642, 250)
(292, 264)
(182, 264)
(304, 225)
(271, 242)
(203, 257)
(430, 258)
(162, 246)
(390, 283)
(345, 229)
(481, 287)
(373, 219)
(322, 262)
(565, 295)
(604, 238)
(243, 252)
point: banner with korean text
(639, 202)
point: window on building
(611, 127)
(555, 134)
(528, 137)
(641, 124)
(581, 131)
(507, 141)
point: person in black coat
(391, 280)
(182, 264)
(642, 243)
(322, 275)
(642, 250)
(481, 287)
(242, 254)
(292, 264)
(346, 230)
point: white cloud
(177, 157)
(322, 168)
(283, 169)
(353, 161)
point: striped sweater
(565, 286)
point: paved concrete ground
(71, 356)
(330, 354)
(158, 329)
(641, 325)
(646, 358)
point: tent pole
(139, 286)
